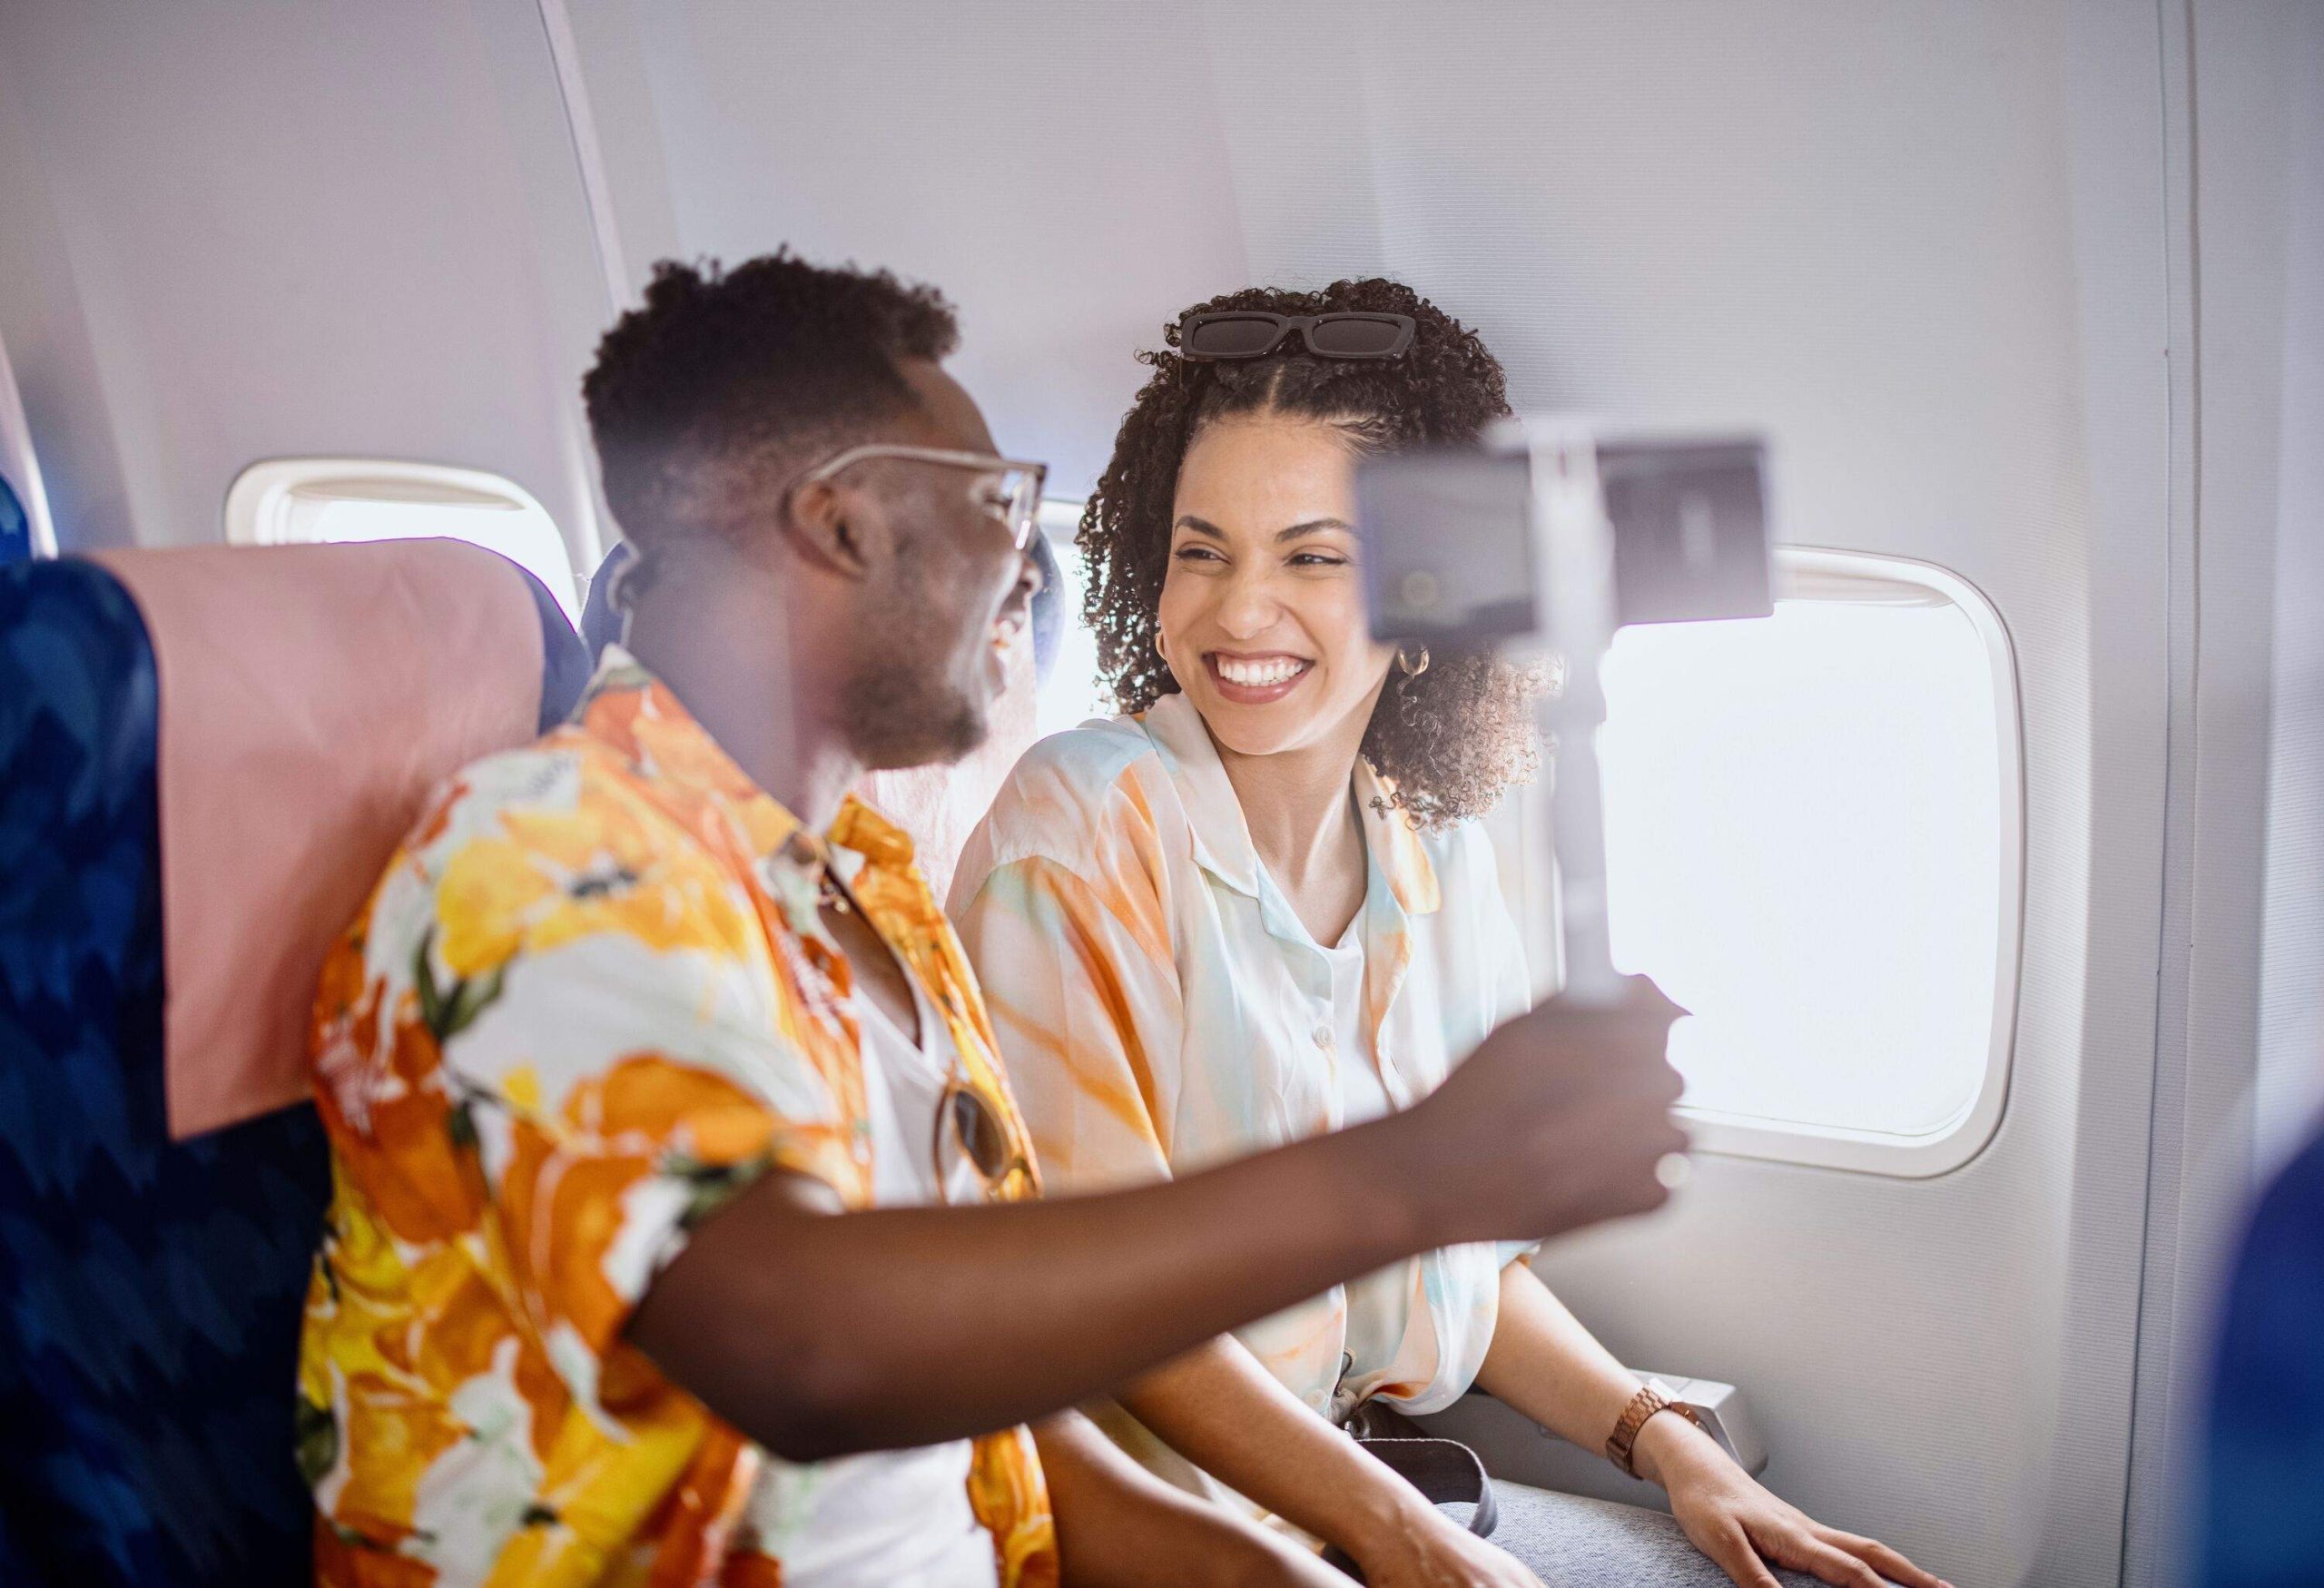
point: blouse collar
(1222, 838)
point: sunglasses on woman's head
(1248, 333)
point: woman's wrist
(1382, 1538)
(1669, 1448)
(1385, 1519)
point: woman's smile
(1246, 678)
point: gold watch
(1654, 1397)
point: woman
(1257, 910)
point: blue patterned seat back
(150, 1290)
(15, 527)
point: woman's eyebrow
(1307, 527)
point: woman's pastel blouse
(1161, 1008)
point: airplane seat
(15, 527)
(600, 623)
(150, 1282)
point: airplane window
(1812, 831)
(288, 501)
(1071, 694)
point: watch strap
(1652, 1397)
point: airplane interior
(1978, 831)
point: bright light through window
(1805, 839)
(305, 501)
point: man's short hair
(724, 384)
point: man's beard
(900, 710)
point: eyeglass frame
(1025, 502)
(960, 1087)
(1305, 324)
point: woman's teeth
(1259, 674)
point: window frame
(1954, 1142)
(258, 504)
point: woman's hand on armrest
(1221, 1410)
(1741, 1525)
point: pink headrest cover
(311, 695)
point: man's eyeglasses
(1014, 497)
(1248, 333)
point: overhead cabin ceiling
(1850, 224)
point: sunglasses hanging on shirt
(1249, 333)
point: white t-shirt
(898, 1517)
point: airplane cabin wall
(2292, 1017)
(2240, 1064)
(243, 232)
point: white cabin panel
(331, 229)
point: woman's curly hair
(1449, 741)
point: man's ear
(840, 531)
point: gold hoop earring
(1413, 669)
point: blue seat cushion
(565, 662)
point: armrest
(1513, 1446)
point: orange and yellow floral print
(579, 1012)
(557, 876)
(1011, 1499)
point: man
(648, 1058)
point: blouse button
(1323, 1038)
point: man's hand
(1556, 1121)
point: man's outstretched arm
(819, 1332)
